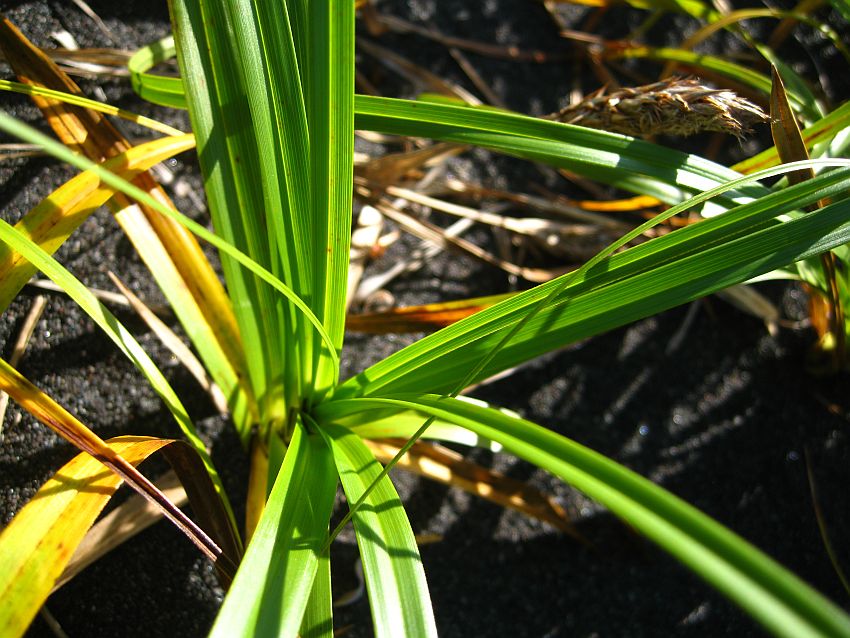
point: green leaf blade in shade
(654, 276)
(273, 585)
(392, 568)
(769, 593)
(843, 7)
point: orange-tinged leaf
(617, 205)
(170, 251)
(186, 463)
(51, 222)
(791, 148)
(419, 318)
(258, 487)
(438, 463)
(786, 132)
(40, 540)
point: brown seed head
(675, 106)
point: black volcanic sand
(700, 399)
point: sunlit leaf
(39, 542)
(772, 595)
(392, 567)
(168, 249)
(273, 585)
(51, 222)
(446, 466)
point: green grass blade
(768, 592)
(226, 84)
(633, 165)
(328, 75)
(18, 129)
(395, 580)
(384, 424)
(288, 174)
(654, 276)
(273, 585)
(158, 89)
(630, 164)
(318, 617)
(119, 335)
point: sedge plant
(270, 91)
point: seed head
(675, 106)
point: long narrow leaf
(318, 617)
(273, 585)
(688, 263)
(772, 595)
(630, 164)
(18, 129)
(50, 413)
(395, 579)
(248, 195)
(114, 330)
(94, 105)
(51, 222)
(328, 77)
(169, 250)
(40, 540)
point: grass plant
(270, 92)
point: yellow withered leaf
(438, 463)
(40, 540)
(221, 545)
(51, 222)
(169, 250)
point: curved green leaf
(771, 594)
(119, 335)
(633, 165)
(395, 580)
(670, 270)
(18, 129)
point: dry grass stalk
(675, 106)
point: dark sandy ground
(700, 399)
